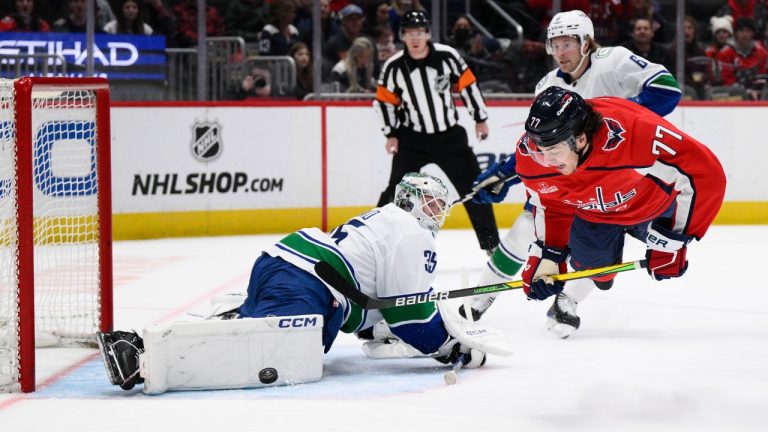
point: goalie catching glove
(543, 262)
(666, 252)
(453, 350)
(492, 185)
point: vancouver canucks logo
(206, 141)
(614, 134)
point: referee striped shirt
(416, 94)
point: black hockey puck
(268, 375)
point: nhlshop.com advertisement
(221, 158)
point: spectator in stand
(304, 75)
(696, 63)
(130, 20)
(355, 74)
(280, 34)
(23, 19)
(642, 44)
(745, 60)
(256, 85)
(483, 54)
(304, 22)
(385, 43)
(607, 17)
(351, 27)
(645, 9)
(74, 22)
(246, 18)
(722, 33)
(376, 15)
(757, 10)
(186, 23)
(158, 16)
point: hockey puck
(450, 377)
(268, 375)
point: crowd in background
(725, 40)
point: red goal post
(55, 219)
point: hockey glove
(542, 263)
(487, 187)
(451, 351)
(666, 252)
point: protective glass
(550, 156)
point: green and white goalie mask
(425, 197)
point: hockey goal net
(55, 219)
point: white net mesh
(66, 215)
(66, 222)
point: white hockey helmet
(425, 197)
(571, 23)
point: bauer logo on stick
(206, 141)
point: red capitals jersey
(638, 165)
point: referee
(414, 101)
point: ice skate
(120, 352)
(479, 305)
(562, 320)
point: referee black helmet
(414, 19)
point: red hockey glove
(666, 252)
(542, 263)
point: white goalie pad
(232, 354)
(473, 334)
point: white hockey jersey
(385, 253)
(616, 71)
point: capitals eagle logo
(614, 134)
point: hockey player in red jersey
(603, 167)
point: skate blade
(559, 330)
(107, 357)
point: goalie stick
(330, 276)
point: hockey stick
(452, 376)
(328, 274)
(494, 181)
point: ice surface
(684, 355)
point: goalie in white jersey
(591, 71)
(388, 251)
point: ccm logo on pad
(297, 322)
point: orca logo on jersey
(614, 134)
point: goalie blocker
(211, 355)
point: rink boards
(230, 168)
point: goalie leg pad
(231, 354)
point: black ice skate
(480, 304)
(562, 319)
(120, 352)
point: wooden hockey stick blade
(495, 184)
(330, 276)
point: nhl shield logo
(442, 83)
(206, 141)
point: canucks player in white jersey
(388, 251)
(591, 71)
